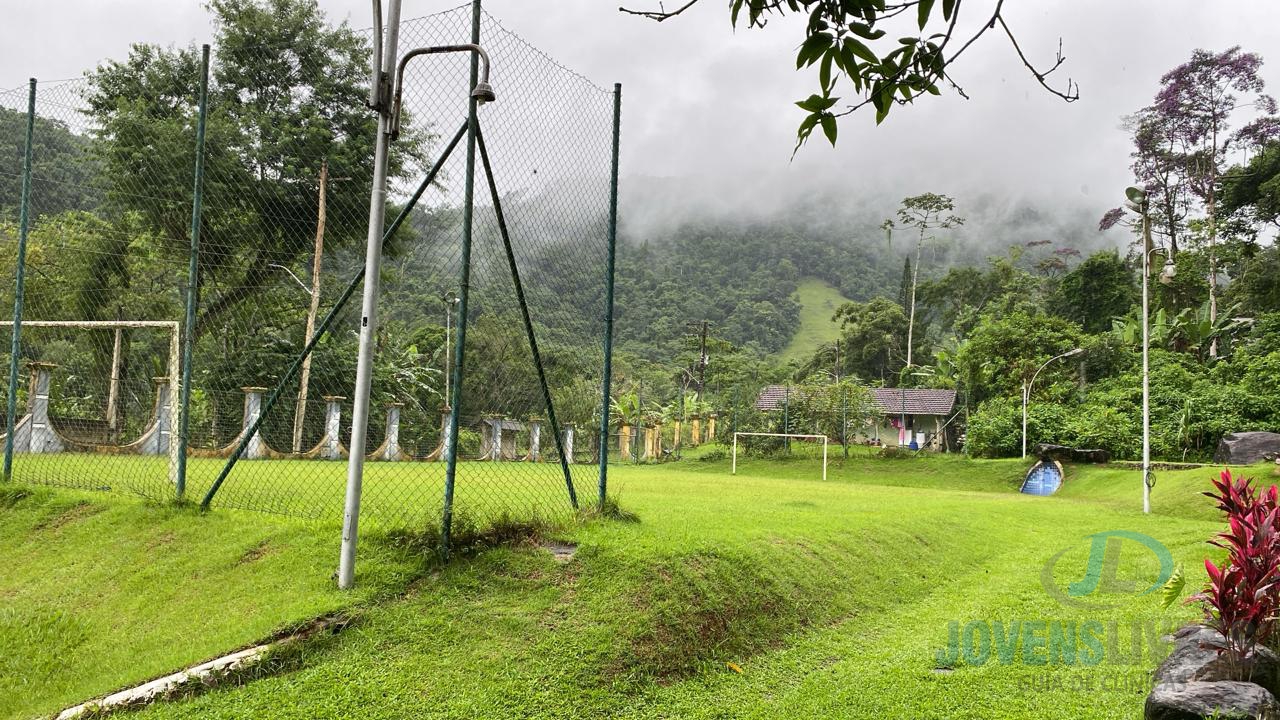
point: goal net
(96, 404)
(786, 437)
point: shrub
(1240, 599)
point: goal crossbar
(734, 469)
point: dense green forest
(972, 293)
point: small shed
(911, 414)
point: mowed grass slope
(818, 302)
(832, 598)
(100, 591)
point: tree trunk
(304, 378)
(915, 276)
(1213, 245)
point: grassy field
(818, 302)
(832, 599)
(395, 494)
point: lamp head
(1073, 353)
(1169, 272)
(483, 93)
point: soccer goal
(35, 433)
(823, 438)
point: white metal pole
(734, 470)
(1146, 367)
(368, 314)
(824, 458)
(1026, 391)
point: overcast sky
(713, 107)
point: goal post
(172, 329)
(734, 468)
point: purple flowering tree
(1206, 107)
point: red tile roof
(914, 401)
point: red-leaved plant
(1243, 594)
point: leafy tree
(1159, 165)
(286, 96)
(1255, 187)
(62, 168)
(1198, 100)
(1004, 351)
(925, 213)
(835, 409)
(884, 54)
(873, 338)
(1096, 291)
(960, 298)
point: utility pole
(702, 354)
(304, 381)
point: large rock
(1195, 657)
(1065, 454)
(1246, 448)
(1197, 700)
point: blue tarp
(1044, 479)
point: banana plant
(625, 409)
(1196, 330)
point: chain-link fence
(287, 170)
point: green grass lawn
(833, 599)
(395, 494)
(818, 302)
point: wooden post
(300, 412)
(113, 390)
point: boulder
(1246, 448)
(1065, 454)
(1196, 700)
(1195, 657)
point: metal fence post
(193, 282)
(608, 298)
(464, 292)
(24, 221)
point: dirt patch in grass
(257, 552)
(75, 513)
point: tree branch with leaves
(879, 52)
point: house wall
(883, 429)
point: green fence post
(464, 292)
(193, 281)
(24, 221)
(608, 298)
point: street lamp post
(1026, 392)
(1165, 276)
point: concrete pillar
(39, 437)
(624, 441)
(535, 440)
(157, 443)
(330, 445)
(711, 427)
(490, 438)
(568, 444)
(646, 444)
(256, 449)
(444, 433)
(391, 443)
(675, 436)
(695, 430)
